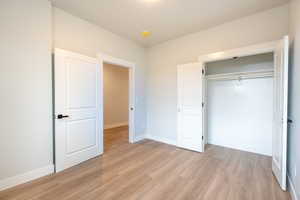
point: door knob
(60, 116)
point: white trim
(103, 58)
(161, 139)
(291, 188)
(139, 138)
(26, 177)
(73, 54)
(240, 52)
(115, 125)
(115, 61)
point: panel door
(279, 155)
(77, 127)
(190, 126)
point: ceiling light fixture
(150, 1)
(145, 33)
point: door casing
(270, 47)
(104, 58)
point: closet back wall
(240, 113)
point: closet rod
(241, 75)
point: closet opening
(239, 98)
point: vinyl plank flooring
(149, 170)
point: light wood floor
(150, 170)
(115, 137)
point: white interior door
(279, 157)
(190, 128)
(77, 127)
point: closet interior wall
(239, 100)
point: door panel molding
(77, 86)
(189, 105)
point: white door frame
(104, 58)
(269, 47)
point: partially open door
(77, 122)
(190, 126)
(279, 157)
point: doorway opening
(116, 105)
(117, 102)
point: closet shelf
(241, 75)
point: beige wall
(25, 84)
(74, 34)
(294, 97)
(163, 59)
(116, 89)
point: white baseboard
(139, 138)
(291, 188)
(115, 125)
(161, 139)
(28, 176)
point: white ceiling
(165, 19)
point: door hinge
(202, 104)
(202, 137)
(203, 71)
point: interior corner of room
(147, 112)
